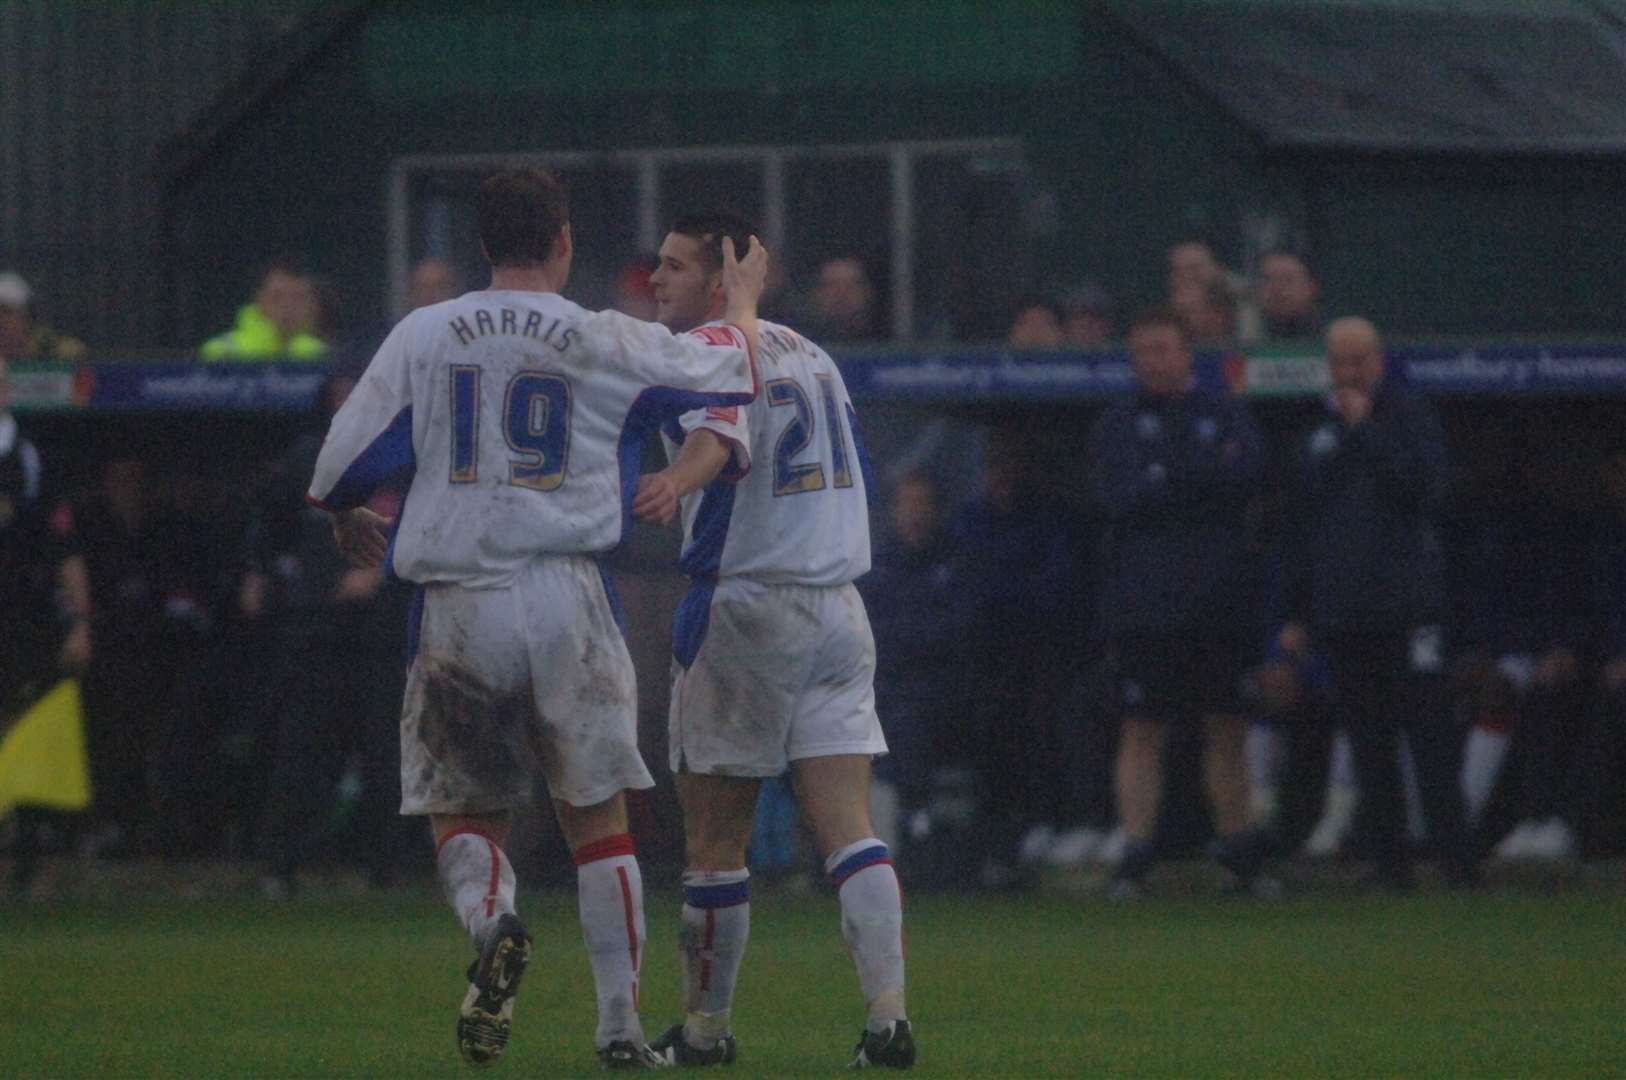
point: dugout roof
(1490, 76)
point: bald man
(1366, 584)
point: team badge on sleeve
(716, 335)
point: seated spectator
(1209, 312)
(843, 308)
(279, 324)
(1289, 296)
(1035, 324)
(1087, 317)
(24, 338)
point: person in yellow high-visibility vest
(279, 324)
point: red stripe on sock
(466, 830)
(607, 848)
(705, 949)
(632, 925)
(496, 880)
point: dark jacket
(1172, 478)
(919, 613)
(1366, 555)
(1018, 571)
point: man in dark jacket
(1368, 581)
(1016, 559)
(1174, 468)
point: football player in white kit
(774, 661)
(520, 417)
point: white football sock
(716, 924)
(1483, 752)
(478, 880)
(872, 923)
(610, 899)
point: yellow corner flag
(42, 757)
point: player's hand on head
(744, 275)
(656, 502)
(362, 536)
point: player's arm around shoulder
(704, 456)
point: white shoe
(1036, 843)
(1111, 851)
(1552, 840)
(1516, 844)
(1074, 846)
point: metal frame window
(650, 172)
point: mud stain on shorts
(605, 681)
(471, 729)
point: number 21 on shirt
(789, 476)
(535, 423)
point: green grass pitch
(1509, 982)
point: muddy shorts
(768, 674)
(510, 682)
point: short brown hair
(709, 227)
(521, 212)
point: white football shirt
(801, 514)
(520, 417)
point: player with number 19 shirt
(521, 416)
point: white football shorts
(508, 682)
(764, 675)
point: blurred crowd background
(226, 184)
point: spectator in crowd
(914, 597)
(1035, 324)
(843, 307)
(213, 757)
(1193, 266)
(1175, 468)
(1022, 607)
(336, 649)
(431, 281)
(40, 636)
(1088, 317)
(1570, 575)
(22, 337)
(1209, 312)
(1213, 300)
(633, 294)
(1366, 584)
(143, 603)
(279, 324)
(25, 578)
(1289, 296)
(1294, 693)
